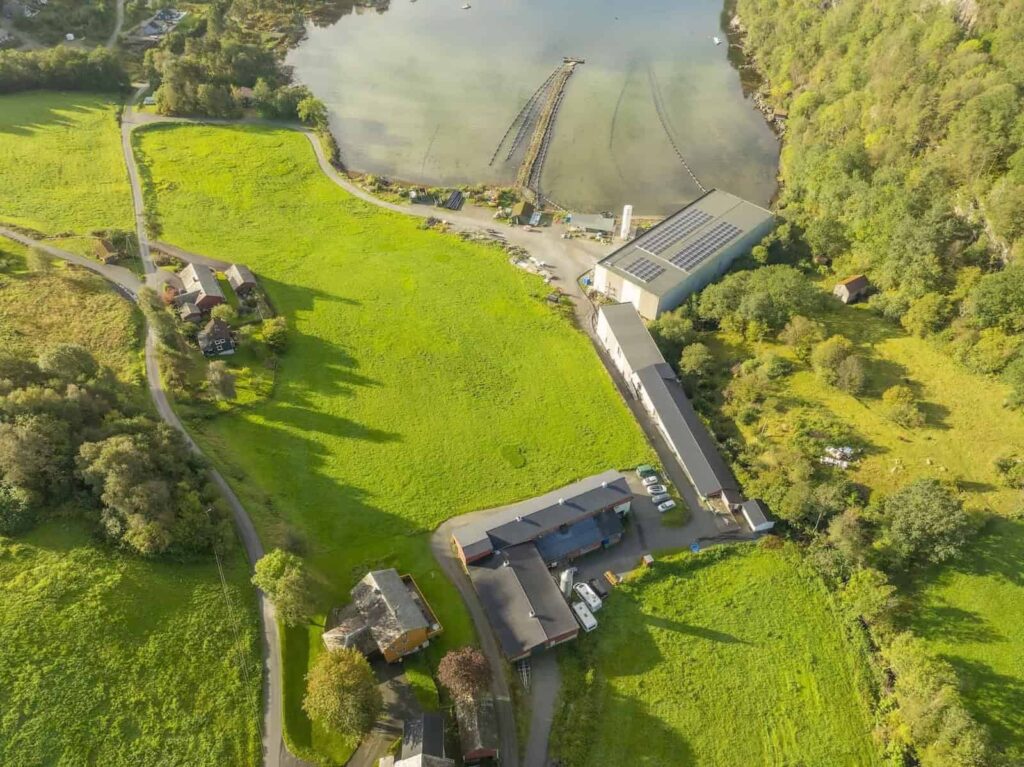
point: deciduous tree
(282, 577)
(342, 693)
(464, 672)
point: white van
(584, 617)
(588, 595)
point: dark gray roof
(478, 725)
(423, 734)
(214, 330)
(522, 601)
(687, 433)
(239, 275)
(197, 278)
(584, 534)
(529, 519)
(707, 226)
(593, 221)
(632, 335)
(387, 587)
(755, 511)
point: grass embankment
(426, 377)
(112, 660)
(61, 163)
(735, 656)
(970, 610)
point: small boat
(717, 41)
(466, 7)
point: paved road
(440, 546)
(275, 754)
(119, 275)
(118, 23)
(188, 256)
(545, 682)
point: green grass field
(61, 163)
(426, 377)
(117, 661)
(735, 657)
(38, 310)
(967, 427)
(971, 613)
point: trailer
(584, 617)
(588, 595)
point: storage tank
(627, 221)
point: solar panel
(661, 237)
(644, 270)
(709, 242)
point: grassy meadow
(41, 309)
(61, 163)
(969, 611)
(425, 376)
(735, 656)
(112, 660)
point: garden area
(735, 656)
(424, 377)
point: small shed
(594, 224)
(241, 279)
(756, 514)
(521, 212)
(216, 339)
(423, 742)
(105, 251)
(852, 289)
(478, 728)
(189, 312)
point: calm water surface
(424, 91)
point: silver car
(650, 479)
(656, 489)
(666, 506)
(661, 498)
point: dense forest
(904, 157)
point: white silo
(627, 221)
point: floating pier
(536, 119)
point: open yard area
(426, 377)
(61, 163)
(113, 660)
(735, 656)
(971, 613)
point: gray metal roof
(755, 511)
(522, 601)
(687, 433)
(529, 519)
(240, 274)
(634, 339)
(593, 221)
(391, 589)
(478, 725)
(423, 734)
(197, 278)
(668, 253)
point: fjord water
(423, 91)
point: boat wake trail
(659, 107)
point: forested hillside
(903, 156)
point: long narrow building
(652, 381)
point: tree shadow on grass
(996, 700)
(956, 624)
(47, 117)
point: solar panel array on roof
(662, 237)
(705, 245)
(644, 269)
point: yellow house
(388, 614)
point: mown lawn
(425, 378)
(42, 309)
(115, 661)
(971, 613)
(735, 657)
(61, 163)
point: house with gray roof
(241, 279)
(388, 614)
(668, 263)
(653, 382)
(200, 287)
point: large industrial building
(652, 381)
(665, 265)
(508, 553)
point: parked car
(650, 479)
(656, 489)
(661, 498)
(599, 588)
(645, 470)
(666, 506)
